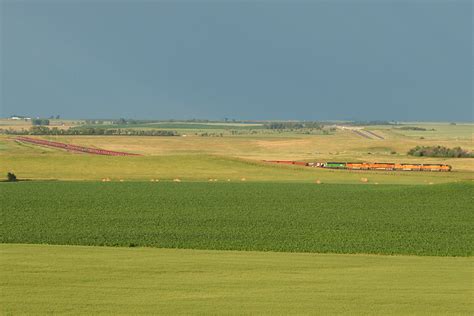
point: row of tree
(413, 128)
(43, 130)
(367, 123)
(293, 125)
(440, 151)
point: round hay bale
(318, 181)
(365, 180)
(176, 180)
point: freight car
(288, 162)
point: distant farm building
(17, 118)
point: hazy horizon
(231, 120)
(275, 60)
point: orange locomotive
(396, 166)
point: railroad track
(73, 148)
(360, 133)
(373, 134)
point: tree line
(367, 123)
(293, 125)
(43, 130)
(440, 151)
(415, 128)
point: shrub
(38, 122)
(11, 177)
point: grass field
(37, 279)
(66, 166)
(199, 158)
(26, 125)
(459, 131)
(423, 220)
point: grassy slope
(198, 168)
(284, 146)
(196, 159)
(423, 220)
(287, 144)
(91, 280)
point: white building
(16, 118)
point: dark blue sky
(313, 60)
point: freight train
(385, 166)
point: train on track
(383, 166)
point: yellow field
(98, 280)
(26, 125)
(235, 157)
(342, 145)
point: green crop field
(39, 279)
(422, 220)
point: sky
(407, 60)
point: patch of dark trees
(40, 122)
(440, 151)
(414, 128)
